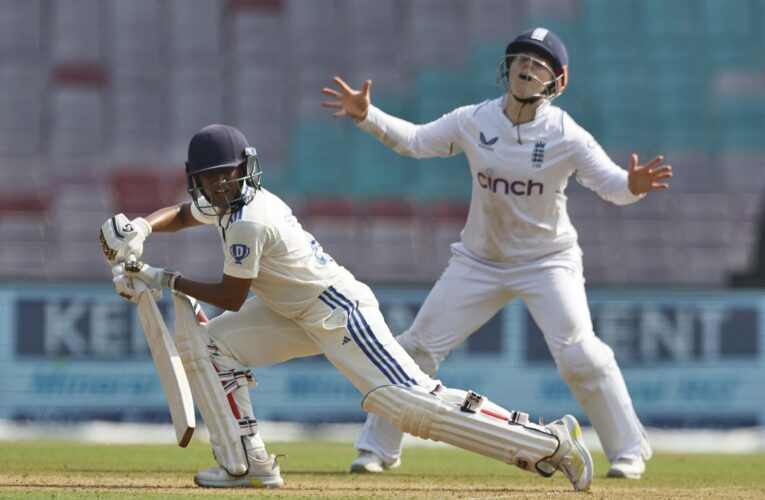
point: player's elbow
(232, 303)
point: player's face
(220, 186)
(528, 75)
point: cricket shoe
(367, 462)
(572, 457)
(627, 468)
(262, 474)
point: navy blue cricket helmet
(546, 44)
(222, 146)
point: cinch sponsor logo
(517, 188)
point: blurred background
(98, 99)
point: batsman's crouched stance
(304, 304)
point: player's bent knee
(585, 361)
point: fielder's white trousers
(471, 292)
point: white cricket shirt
(518, 206)
(264, 242)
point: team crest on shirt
(487, 143)
(538, 155)
(239, 252)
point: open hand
(348, 102)
(648, 177)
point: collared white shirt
(518, 203)
(264, 242)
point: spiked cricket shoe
(572, 457)
(627, 468)
(262, 474)
(368, 462)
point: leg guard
(591, 372)
(213, 391)
(466, 420)
(377, 435)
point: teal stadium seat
(681, 99)
(441, 178)
(373, 168)
(730, 33)
(480, 77)
(739, 125)
(317, 158)
(667, 20)
(624, 112)
(436, 92)
(606, 20)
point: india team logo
(239, 252)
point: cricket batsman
(304, 303)
(518, 240)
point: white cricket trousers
(344, 324)
(471, 292)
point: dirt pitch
(318, 470)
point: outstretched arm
(438, 138)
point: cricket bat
(169, 368)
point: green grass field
(43, 469)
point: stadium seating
(89, 89)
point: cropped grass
(68, 470)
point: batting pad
(428, 416)
(191, 340)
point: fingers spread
(329, 104)
(654, 161)
(331, 92)
(343, 86)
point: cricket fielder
(518, 240)
(304, 304)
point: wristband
(143, 223)
(169, 279)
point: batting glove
(153, 277)
(122, 238)
(131, 289)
